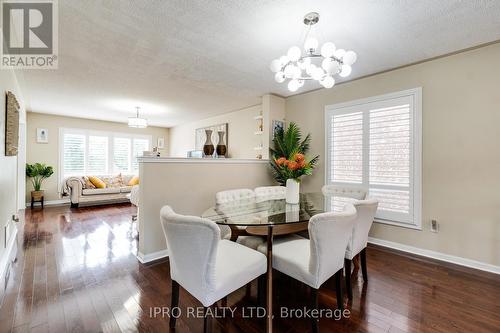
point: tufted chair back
(192, 245)
(265, 193)
(225, 197)
(366, 210)
(344, 191)
(329, 234)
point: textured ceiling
(185, 60)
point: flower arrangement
(289, 155)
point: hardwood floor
(77, 272)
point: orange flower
(292, 165)
(301, 164)
(299, 157)
(280, 161)
(285, 163)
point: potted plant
(38, 172)
(289, 162)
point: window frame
(415, 140)
(110, 149)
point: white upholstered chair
(206, 266)
(344, 191)
(366, 210)
(224, 202)
(265, 193)
(313, 261)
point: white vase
(292, 191)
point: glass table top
(273, 212)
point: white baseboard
(50, 203)
(436, 255)
(145, 258)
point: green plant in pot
(289, 161)
(38, 172)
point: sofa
(81, 192)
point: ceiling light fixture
(312, 65)
(137, 122)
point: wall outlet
(434, 226)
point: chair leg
(175, 301)
(338, 289)
(348, 285)
(363, 265)
(314, 298)
(206, 321)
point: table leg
(269, 323)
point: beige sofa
(79, 194)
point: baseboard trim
(50, 203)
(436, 255)
(147, 258)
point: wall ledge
(199, 160)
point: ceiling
(185, 60)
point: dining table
(268, 217)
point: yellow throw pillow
(134, 181)
(97, 182)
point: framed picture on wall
(42, 135)
(161, 143)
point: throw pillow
(87, 183)
(98, 183)
(134, 181)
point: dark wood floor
(77, 272)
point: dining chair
(265, 193)
(206, 266)
(313, 261)
(344, 191)
(366, 210)
(226, 201)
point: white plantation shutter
(347, 148)
(74, 154)
(97, 161)
(139, 146)
(121, 154)
(88, 152)
(375, 144)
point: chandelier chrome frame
(300, 67)
(136, 122)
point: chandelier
(137, 122)
(320, 66)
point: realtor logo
(29, 34)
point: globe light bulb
(293, 85)
(346, 71)
(327, 82)
(294, 53)
(301, 83)
(284, 60)
(279, 77)
(339, 53)
(332, 67)
(326, 63)
(327, 49)
(289, 71)
(311, 44)
(349, 58)
(310, 68)
(275, 65)
(318, 74)
(304, 63)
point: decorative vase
(208, 147)
(221, 146)
(292, 191)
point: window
(85, 152)
(375, 144)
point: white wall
(461, 154)
(241, 138)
